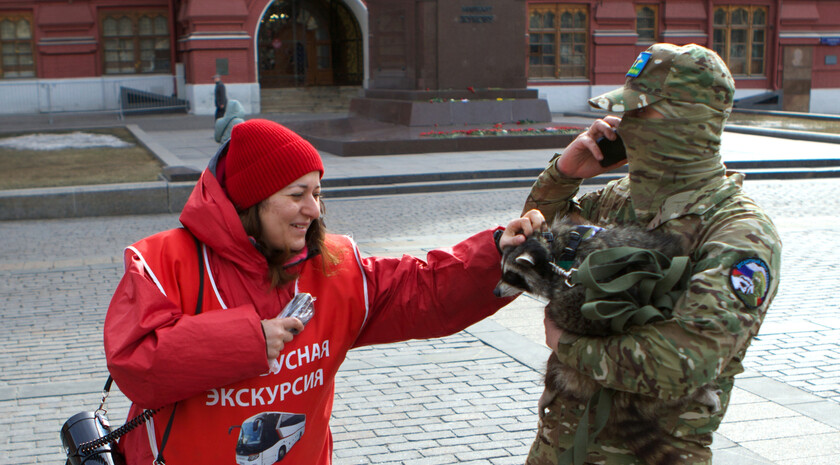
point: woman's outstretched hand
(519, 229)
(582, 158)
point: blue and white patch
(639, 64)
(750, 279)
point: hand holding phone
(613, 150)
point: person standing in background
(221, 96)
(234, 114)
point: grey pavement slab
(195, 147)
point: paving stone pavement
(768, 421)
(468, 398)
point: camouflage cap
(688, 73)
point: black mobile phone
(613, 150)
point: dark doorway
(309, 43)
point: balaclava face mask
(693, 89)
(677, 153)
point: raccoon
(531, 267)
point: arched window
(348, 57)
(740, 38)
(135, 42)
(558, 41)
(17, 46)
(646, 23)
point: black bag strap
(143, 417)
(198, 304)
(200, 250)
(159, 460)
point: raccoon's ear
(525, 258)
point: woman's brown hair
(315, 238)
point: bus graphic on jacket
(265, 438)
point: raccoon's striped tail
(646, 440)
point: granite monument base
(354, 136)
(388, 122)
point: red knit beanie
(264, 157)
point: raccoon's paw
(710, 398)
(546, 399)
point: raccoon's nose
(497, 292)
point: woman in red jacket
(201, 351)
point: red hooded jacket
(230, 407)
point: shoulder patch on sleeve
(750, 279)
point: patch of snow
(75, 140)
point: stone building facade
(76, 55)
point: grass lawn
(22, 169)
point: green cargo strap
(601, 402)
(610, 274)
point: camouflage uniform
(677, 183)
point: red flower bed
(499, 130)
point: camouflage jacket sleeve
(553, 193)
(713, 321)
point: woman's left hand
(519, 229)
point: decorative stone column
(213, 38)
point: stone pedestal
(444, 108)
(447, 44)
(437, 68)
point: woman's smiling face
(287, 214)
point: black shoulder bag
(88, 436)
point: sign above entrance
(477, 14)
(222, 66)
